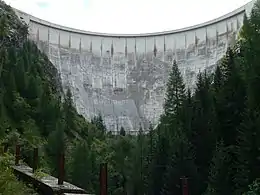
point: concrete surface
(48, 180)
(123, 77)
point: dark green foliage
(122, 131)
(175, 92)
(180, 163)
(254, 188)
(210, 135)
(8, 182)
(218, 174)
(81, 172)
(99, 123)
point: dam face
(123, 77)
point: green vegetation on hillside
(211, 136)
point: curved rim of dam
(185, 29)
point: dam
(123, 77)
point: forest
(210, 134)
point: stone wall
(123, 77)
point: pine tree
(180, 163)
(159, 163)
(230, 100)
(202, 133)
(248, 151)
(149, 159)
(69, 114)
(34, 88)
(218, 183)
(56, 146)
(217, 80)
(99, 123)
(3, 58)
(122, 131)
(21, 78)
(187, 114)
(81, 166)
(175, 92)
(248, 144)
(138, 164)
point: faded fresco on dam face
(124, 77)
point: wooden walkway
(46, 184)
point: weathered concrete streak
(123, 77)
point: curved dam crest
(123, 77)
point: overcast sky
(127, 16)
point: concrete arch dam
(123, 77)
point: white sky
(127, 16)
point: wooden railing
(47, 184)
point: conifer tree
(159, 162)
(149, 158)
(203, 136)
(175, 92)
(218, 176)
(248, 137)
(69, 114)
(180, 163)
(217, 80)
(122, 131)
(187, 114)
(230, 100)
(56, 146)
(99, 123)
(81, 166)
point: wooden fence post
(35, 159)
(184, 182)
(103, 179)
(61, 169)
(17, 154)
(5, 147)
